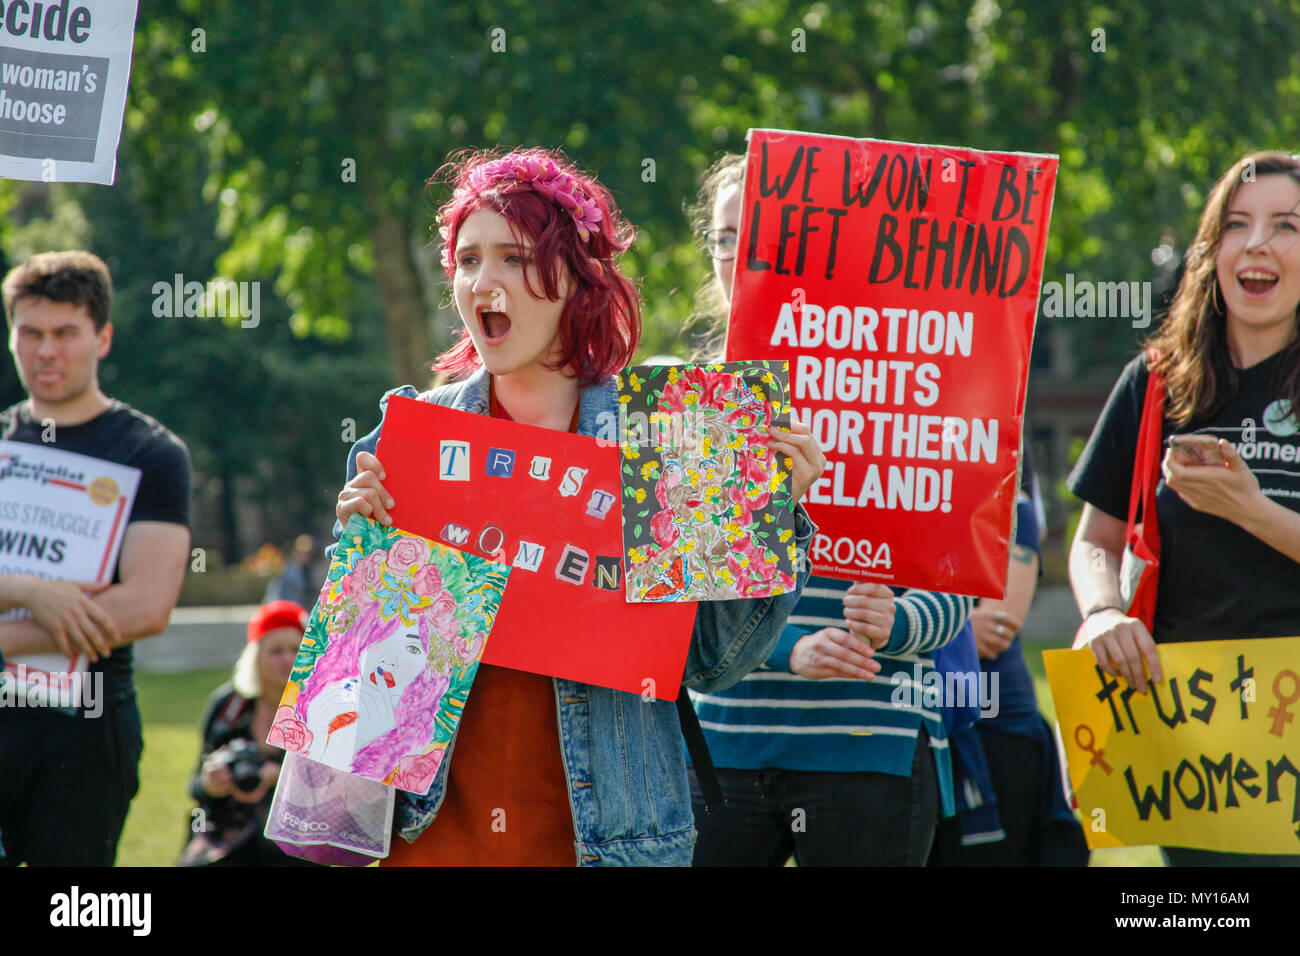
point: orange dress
(507, 801)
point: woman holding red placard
(530, 245)
(1227, 503)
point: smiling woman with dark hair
(1228, 509)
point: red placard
(547, 503)
(901, 283)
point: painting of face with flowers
(389, 655)
(707, 512)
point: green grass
(171, 705)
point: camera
(245, 763)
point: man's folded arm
(152, 567)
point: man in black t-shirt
(66, 782)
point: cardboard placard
(546, 503)
(62, 516)
(901, 283)
(64, 68)
(388, 656)
(1209, 758)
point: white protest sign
(62, 515)
(64, 67)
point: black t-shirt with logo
(1217, 581)
(126, 437)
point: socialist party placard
(62, 516)
(901, 283)
(64, 67)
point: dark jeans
(1015, 768)
(1015, 765)
(66, 784)
(822, 818)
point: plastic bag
(328, 816)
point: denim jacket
(623, 756)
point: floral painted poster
(908, 326)
(707, 512)
(389, 655)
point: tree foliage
(290, 144)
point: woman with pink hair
(551, 771)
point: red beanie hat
(273, 616)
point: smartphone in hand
(1196, 449)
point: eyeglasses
(720, 243)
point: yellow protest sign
(1209, 758)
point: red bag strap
(1146, 467)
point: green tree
(323, 121)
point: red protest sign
(901, 283)
(546, 503)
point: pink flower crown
(542, 175)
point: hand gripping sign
(901, 283)
(546, 503)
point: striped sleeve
(926, 620)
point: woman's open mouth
(385, 676)
(495, 325)
(1257, 282)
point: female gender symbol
(1091, 748)
(1279, 713)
